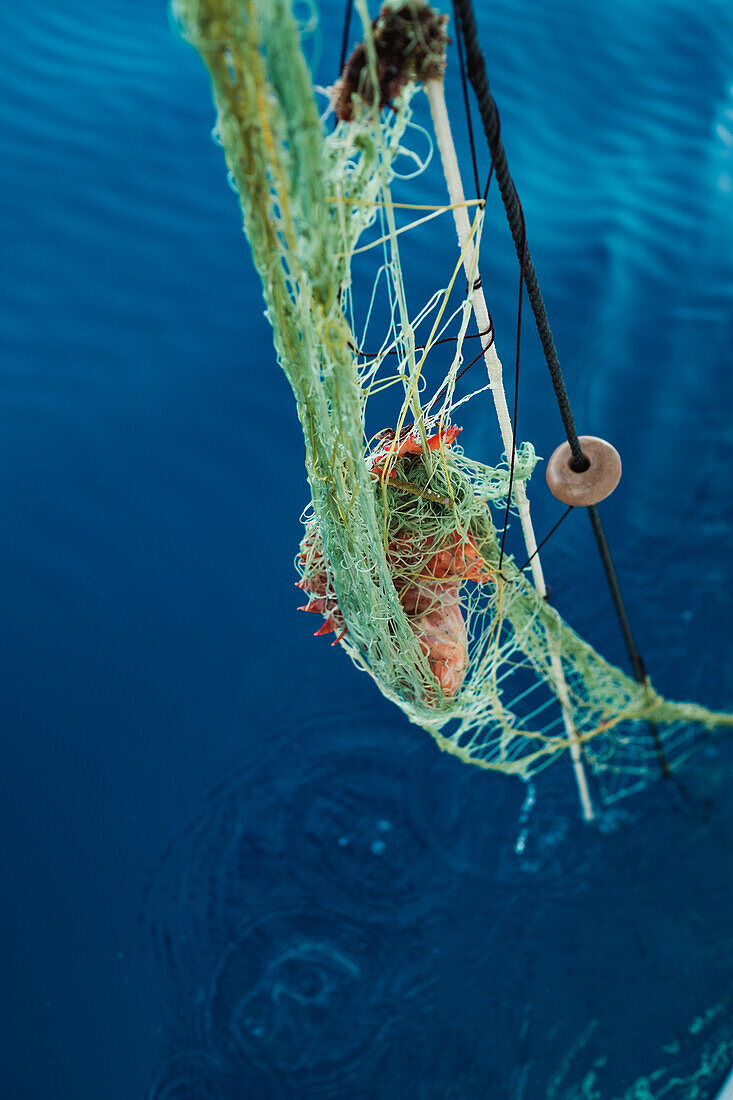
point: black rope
(488, 181)
(421, 347)
(468, 366)
(491, 166)
(345, 34)
(637, 661)
(476, 67)
(547, 538)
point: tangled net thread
(400, 553)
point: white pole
(436, 99)
(444, 137)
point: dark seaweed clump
(410, 43)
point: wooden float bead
(586, 487)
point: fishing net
(401, 551)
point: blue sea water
(233, 869)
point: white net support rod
(444, 137)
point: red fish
(431, 597)
(409, 444)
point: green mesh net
(400, 553)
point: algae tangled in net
(400, 553)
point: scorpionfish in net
(428, 576)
